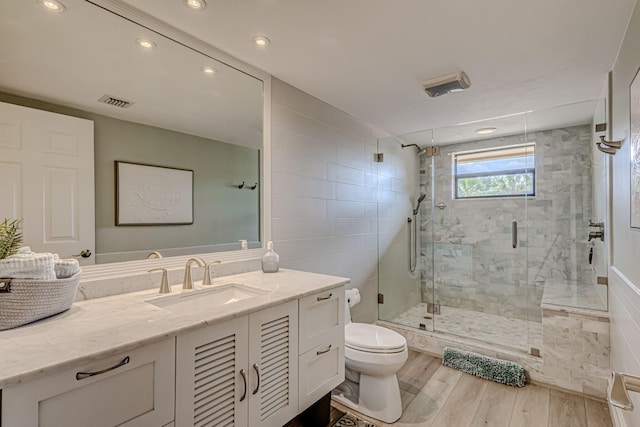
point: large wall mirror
(171, 101)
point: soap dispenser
(270, 260)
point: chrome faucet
(164, 283)
(206, 280)
(188, 282)
(154, 254)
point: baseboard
(616, 416)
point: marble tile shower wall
(324, 192)
(476, 267)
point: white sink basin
(205, 300)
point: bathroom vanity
(140, 359)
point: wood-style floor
(436, 396)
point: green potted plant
(10, 237)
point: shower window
(497, 172)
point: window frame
(526, 170)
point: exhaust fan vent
(116, 102)
(449, 83)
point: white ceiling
(74, 58)
(369, 57)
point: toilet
(373, 355)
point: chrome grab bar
(413, 246)
(618, 392)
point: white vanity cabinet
(134, 388)
(257, 369)
(240, 372)
(321, 345)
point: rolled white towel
(66, 267)
(28, 265)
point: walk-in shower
(498, 226)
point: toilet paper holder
(619, 390)
(352, 296)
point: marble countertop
(101, 327)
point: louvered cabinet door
(211, 368)
(273, 365)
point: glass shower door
(404, 219)
(480, 189)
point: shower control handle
(514, 234)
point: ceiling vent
(116, 102)
(449, 83)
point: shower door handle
(514, 234)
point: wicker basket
(31, 300)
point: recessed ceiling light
(261, 41)
(486, 131)
(52, 5)
(209, 70)
(195, 4)
(145, 43)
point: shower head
(420, 151)
(420, 199)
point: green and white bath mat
(489, 368)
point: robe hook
(612, 144)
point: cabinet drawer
(139, 392)
(321, 317)
(321, 370)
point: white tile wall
(324, 184)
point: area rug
(350, 420)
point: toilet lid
(363, 336)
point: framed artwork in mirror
(634, 134)
(153, 195)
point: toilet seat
(373, 339)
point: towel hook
(612, 144)
(253, 187)
(241, 185)
(605, 149)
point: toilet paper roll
(352, 296)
